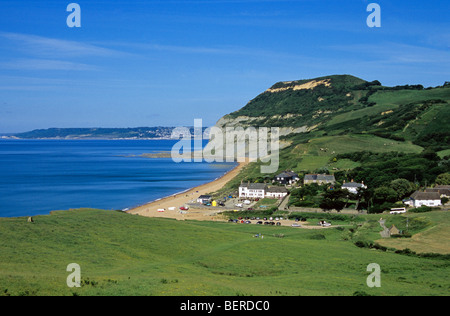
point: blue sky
(150, 63)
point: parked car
(184, 208)
(296, 225)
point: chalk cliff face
(247, 121)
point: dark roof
(352, 185)
(205, 197)
(319, 177)
(277, 190)
(419, 195)
(442, 191)
(254, 186)
(287, 174)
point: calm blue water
(39, 176)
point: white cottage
(276, 192)
(252, 190)
(353, 187)
(420, 198)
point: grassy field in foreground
(123, 254)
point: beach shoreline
(186, 197)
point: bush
(324, 216)
(422, 209)
(404, 235)
(406, 251)
(318, 237)
(361, 244)
(370, 245)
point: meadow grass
(348, 116)
(397, 97)
(319, 152)
(123, 254)
(444, 153)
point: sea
(40, 176)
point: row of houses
(430, 197)
(261, 191)
(290, 177)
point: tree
(364, 196)
(306, 191)
(402, 187)
(430, 154)
(384, 194)
(334, 200)
(443, 179)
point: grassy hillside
(304, 102)
(122, 254)
(343, 105)
(434, 235)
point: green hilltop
(344, 104)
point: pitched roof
(253, 186)
(287, 174)
(442, 191)
(277, 190)
(425, 196)
(319, 177)
(352, 185)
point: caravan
(400, 210)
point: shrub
(404, 235)
(318, 237)
(422, 209)
(361, 244)
(406, 251)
